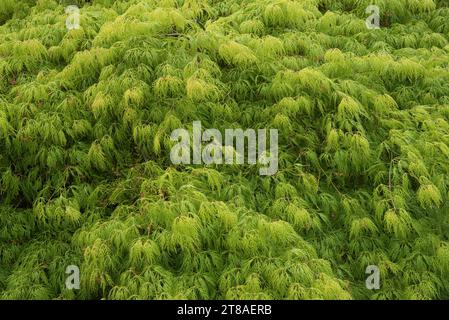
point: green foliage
(85, 172)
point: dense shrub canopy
(86, 178)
